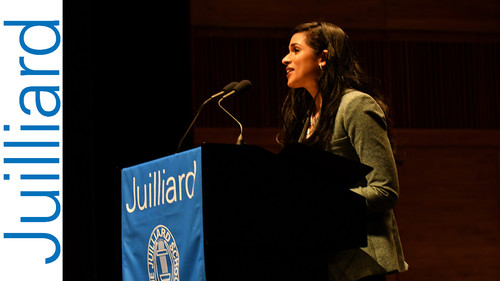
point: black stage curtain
(126, 101)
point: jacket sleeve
(365, 124)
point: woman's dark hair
(341, 72)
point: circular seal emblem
(163, 255)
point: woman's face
(302, 64)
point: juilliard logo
(163, 255)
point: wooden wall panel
(448, 213)
(449, 207)
(360, 14)
(264, 13)
(443, 15)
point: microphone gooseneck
(228, 88)
(240, 137)
(241, 87)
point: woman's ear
(323, 58)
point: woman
(332, 106)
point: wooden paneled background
(439, 64)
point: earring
(320, 67)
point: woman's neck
(318, 100)
(315, 94)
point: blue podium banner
(162, 219)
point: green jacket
(360, 134)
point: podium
(239, 212)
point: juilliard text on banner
(31, 140)
(162, 189)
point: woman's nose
(286, 60)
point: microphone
(228, 88)
(243, 86)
